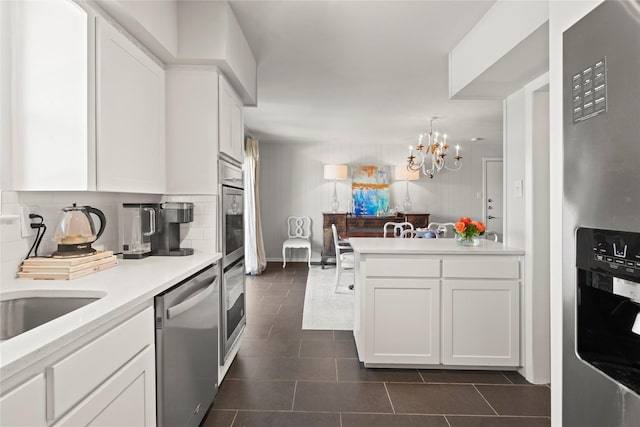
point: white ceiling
(360, 71)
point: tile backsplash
(199, 234)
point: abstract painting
(370, 190)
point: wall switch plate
(517, 188)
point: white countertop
(368, 245)
(123, 287)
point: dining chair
(299, 232)
(344, 260)
(445, 229)
(396, 228)
(420, 234)
(491, 235)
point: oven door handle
(190, 302)
(234, 267)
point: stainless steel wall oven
(232, 297)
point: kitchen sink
(18, 315)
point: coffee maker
(166, 240)
(154, 229)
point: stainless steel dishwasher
(187, 317)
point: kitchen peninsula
(430, 303)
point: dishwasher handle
(190, 302)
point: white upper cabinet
(88, 104)
(231, 123)
(204, 120)
(51, 92)
(192, 130)
(129, 115)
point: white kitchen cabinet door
(481, 322)
(52, 63)
(120, 344)
(130, 111)
(237, 130)
(126, 399)
(192, 131)
(404, 319)
(231, 141)
(25, 405)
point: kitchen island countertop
(125, 287)
(428, 247)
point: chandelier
(432, 157)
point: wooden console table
(361, 226)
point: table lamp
(335, 172)
(403, 173)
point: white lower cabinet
(25, 405)
(395, 308)
(480, 322)
(448, 311)
(107, 381)
(123, 400)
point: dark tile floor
(284, 376)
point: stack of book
(66, 268)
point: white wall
(537, 249)
(199, 234)
(526, 148)
(209, 33)
(160, 18)
(5, 98)
(291, 183)
(153, 23)
(514, 161)
(499, 31)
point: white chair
(445, 229)
(420, 233)
(344, 260)
(299, 232)
(410, 234)
(491, 235)
(396, 227)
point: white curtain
(255, 257)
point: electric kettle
(75, 231)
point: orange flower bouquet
(467, 231)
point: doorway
(492, 205)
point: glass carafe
(138, 224)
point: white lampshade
(403, 174)
(339, 172)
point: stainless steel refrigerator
(601, 218)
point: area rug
(324, 308)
